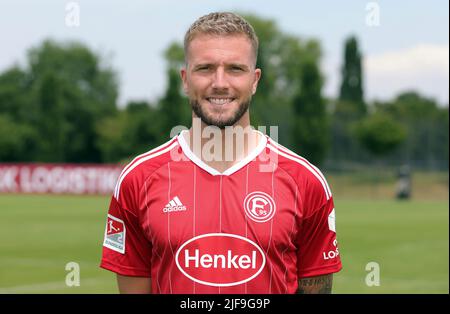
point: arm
(137, 285)
(315, 285)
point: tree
(15, 96)
(311, 125)
(379, 133)
(349, 108)
(173, 107)
(52, 125)
(426, 145)
(128, 133)
(110, 140)
(352, 83)
(141, 133)
(16, 140)
(60, 95)
(283, 58)
(87, 91)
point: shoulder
(134, 173)
(307, 176)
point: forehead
(220, 49)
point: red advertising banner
(58, 178)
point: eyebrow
(244, 66)
(202, 65)
(240, 65)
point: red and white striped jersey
(256, 228)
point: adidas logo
(174, 205)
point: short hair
(221, 24)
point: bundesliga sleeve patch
(115, 234)
(332, 221)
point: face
(220, 79)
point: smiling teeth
(220, 101)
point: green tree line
(62, 107)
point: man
(181, 221)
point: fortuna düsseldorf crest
(259, 206)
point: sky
(404, 43)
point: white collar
(240, 164)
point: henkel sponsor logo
(220, 259)
(333, 253)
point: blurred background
(359, 88)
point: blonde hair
(221, 24)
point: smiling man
(220, 76)
(185, 220)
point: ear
(183, 74)
(256, 80)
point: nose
(220, 80)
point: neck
(222, 148)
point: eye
(236, 69)
(203, 68)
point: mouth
(220, 101)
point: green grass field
(41, 234)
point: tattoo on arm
(315, 285)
